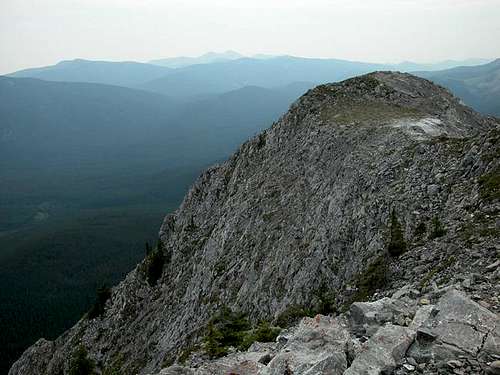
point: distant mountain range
(211, 57)
(477, 86)
(408, 66)
(231, 75)
(191, 78)
(124, 73)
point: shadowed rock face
(302, 211)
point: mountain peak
(226, 55)
(419, 106)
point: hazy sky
(43, 32)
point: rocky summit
(357, 235)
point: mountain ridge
(301, 210)
(124, 73)
(478, 86)
(206, 58)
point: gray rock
(433, 189)
(176, 370)
(245, 363)
(409, 367)
(37, 360)
(494, 368)
(421, 316)
(491, 347)
(318, 344)
(367, 317)
(460, 327)
(454, 363)
(383, 352)
(493, 266)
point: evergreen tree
(397, 244)
(80, 363)
(438, 230)
(97, 310)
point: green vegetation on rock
(292, 314)
(437, 229)
(420, 229)
(489, 185)
(232, 329)
(346, 112)
(397, 244)
(373, 278)
(97, 309)
(115, 368)
(80, 363)
(436, 270)
(154, 263)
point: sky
(43, 32)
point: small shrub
(489, 185)
(147, 249)
(437, 229)
(103, 295)
(373, 278)
(185, 354)
(154, 264)
(292, 315)
(327, 303)
(115, 368)
(447, 263)
(231, 329)
(80, 363)
(264, 332)
(213, 342)
(397, 244)
(224, 330)
(261, 140)
(420, 229)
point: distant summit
(123, 73)
(478, 86)
(410, 66)
(207, 58)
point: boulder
(491, 348)
(383, 352)
(422, 314)
(318, 346)
(244, 363)
(367, 317)
(176, 370)
(457, 327)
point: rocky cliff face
(371, 185)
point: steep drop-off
(307, 211)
